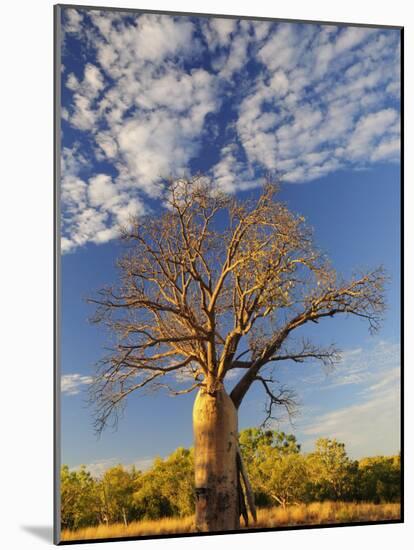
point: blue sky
(144, 97)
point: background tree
(255, 441)
(167, 489)
(80, 499)
(211, 285)
(331, 471)
(379, 479)
(117, 489)
(280, 475)
(276, 468)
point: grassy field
(304, 514)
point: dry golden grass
(316, 513)
(135, 529)
(319, 513)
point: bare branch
(284, 397)
(362, 297)
(213, 281)
(328, 356)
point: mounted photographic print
(228, 274)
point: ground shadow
(44, 532)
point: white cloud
(72, 161)
(73, 20)
(157, 36)
(93, 80)
(99, 467)
(94, 209)
(279, 83)
(222, 29)
(237, 57)
(162, 137)
(367, 130)
(350, 37)
(149, 39)
(230, 175)
(91, 84)
(83, 115)
(72, 384)
(331, 49)
(102, 224)
(369, 423)
(101, 190)
(387, 149)
(108, 145)
(320, 101)
(89, 223)
(126, 210)
(369, 427)
(327, 91)
(166, 109)
(261, 29)
(73, 193)
(281, 50)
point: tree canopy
(212, 284)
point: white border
(26, 224)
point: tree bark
(215, 426)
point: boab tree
(213, 286)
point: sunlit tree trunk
(191, 295)
(215, 453)
(124, 517)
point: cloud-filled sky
(366, 384)
(152, 96)
(145, 97)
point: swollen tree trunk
(215, 460)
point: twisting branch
(284, 397)
(329, 356)
(117, 377)
(195, 295)
(361, 297)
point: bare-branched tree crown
(215, 284)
